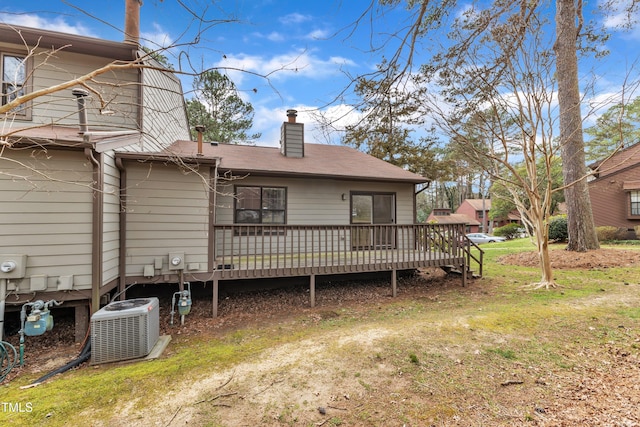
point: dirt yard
(265, 391)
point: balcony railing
(256, 251)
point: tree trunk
(545, 264)
(581, 229)
(541, 232)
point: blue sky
(310, 49)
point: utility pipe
(200, 129)
(3, 297)
(80, 95)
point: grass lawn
(493, 353)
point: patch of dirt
(601, 258)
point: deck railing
(289, 250)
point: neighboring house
(477, 210)
(444, 216)
(615, 190)
(124, 197)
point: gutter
(53, 40)
(415, 201)
(308, 175)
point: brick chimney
(292, 136)
(132, 22)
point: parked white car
(479, 238)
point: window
(15, 71)
(441, 212)
(260, 205)
(635, 203)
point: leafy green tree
(158, 56)
(219, 108)
(617, 128)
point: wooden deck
(262, 251)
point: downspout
(122, 237)
(415, 201)
(213, 199)
(97, 228)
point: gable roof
(452, 219)
(477, 204)
(47, 39)
(320, 160)
(623, 159)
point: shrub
(510, 231)
(608, 233)
(558, 230)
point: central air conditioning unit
(125, 330)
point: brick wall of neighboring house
(611, 199)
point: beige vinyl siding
(111, 220)
(167, 211)
(292, 137)
(318, 201)
(164, 115)
(119, 91)
(46, 213)
(313, 202)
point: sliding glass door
(373, 209)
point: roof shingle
(319, 160)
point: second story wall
(164, 115)
(113, 101)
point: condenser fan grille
(127, 304)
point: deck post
(215, 297)
(81, 322)
(463, 267)
(394, 288)
(312, 290)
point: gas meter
(39, 321)
(184, 303)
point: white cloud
(275, 37)
(35, 21)
(318, 35)
(299, 63)
(294, 18)
(617, 17)
(159, 38)
(269, 120)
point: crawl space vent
(125, 330)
